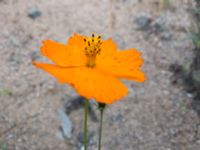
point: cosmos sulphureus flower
(93, 66)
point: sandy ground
(155, 115)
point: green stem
(85, 124)
(101, 108)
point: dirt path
(155, 115)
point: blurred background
(37, 113)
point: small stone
(198, 141)
(166, 36)
(166, 92)
(82, 148)
(80, 137)
(189, 95)
(34, 13)
(74, 104)
(77, 103)
(66, 123)
(10, 136)
(143, 21)
(158, 25)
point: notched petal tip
(44, 46)
(121, 97)
(141, 77)
(145, 78)
(46, 42)
(38, 64)
(55, 51)
(112, 42)
(76, 35)
(76, 39)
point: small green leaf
(196, 76)
(5, 92)
(3, 147)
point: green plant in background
(197, 11)
(167, 2)
(181, 105)
(190, 70)
(196, 40)
(3, 147)
(164, 4)
(5, 92)
(196, 36)
(198, 2)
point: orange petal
(55, 51)
(123, 64)
(103, 88)
(71, 54)
(108, 47)
(76, 50)
(88, 82)
(63, 74)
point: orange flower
(93, 66)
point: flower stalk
(101, 108)
(85, 123)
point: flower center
(92, 49)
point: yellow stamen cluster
(92, 48)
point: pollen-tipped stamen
(92, 48)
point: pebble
(157, 27)
(166, 36)
(65, 122)
(189, 95)
(78, 103)
(166, 92)
(143, 21)
(82, 148)
(34, 13)
(80, 138)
